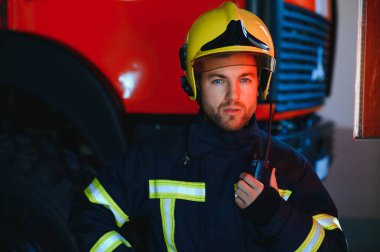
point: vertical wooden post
(367, 97)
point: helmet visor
(215, 61)
(235, 35)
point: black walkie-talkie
(262, 169)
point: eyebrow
(216, 75)
(223, 76)
(247, 74)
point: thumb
(273, 180)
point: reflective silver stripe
(285, 194)
(168, 223)
(314, 239)
(327, 221)
(172, 189)
(109, 242)
(98, 195)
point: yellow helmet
(225, 30)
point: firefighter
(199, 187)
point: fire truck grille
(303, 60)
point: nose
(233, 91)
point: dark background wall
(355, 174)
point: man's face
(229, 95)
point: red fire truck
(80, 81)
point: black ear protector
(182, 56)
(182, 59)
(186, 86)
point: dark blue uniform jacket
(176, 193)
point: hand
(249, 188)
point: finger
(246, 193)
(252, 181)
(247, 199)
(245, 188)
(240, 203)
(273, 180)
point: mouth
(232, 110)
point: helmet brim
(215, 61)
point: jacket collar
(205, 137)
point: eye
(217, 81)
(246, 80)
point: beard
(228, 122)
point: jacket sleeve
(302, 220)
(111, 200)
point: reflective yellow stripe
(285, 194)
(168, 223)
(314, 239)
(327, 221)
(109, 242)
(98, 195)
(168, 191)
(172, 189)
